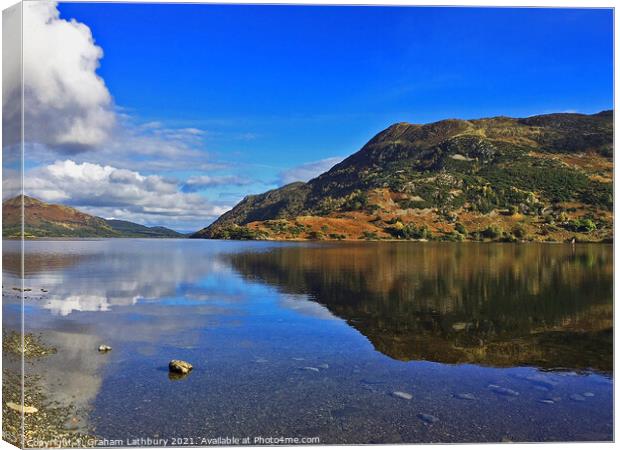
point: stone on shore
(459, 326)
(178, 366)
(22, 409)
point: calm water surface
(494, 341)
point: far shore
(465, 241)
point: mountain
(48, 220)
(546, 177)
(130, 229)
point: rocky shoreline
(45, 423)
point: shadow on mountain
(548, 306)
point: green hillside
(545, 177)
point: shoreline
(608, 241)
(30, 418)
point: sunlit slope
(545, 177)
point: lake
(364, 342)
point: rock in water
(104, 348)
(175, 376)
(465, 396)
(577, 397)
(427, 418)
(178, 366)
(22, 409)
(503, 391)
(403, 395)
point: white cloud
(302, 305)
(307, 171)
(11, 76)
(199, 182)
(66, 103)
(109, 192)
(139, 146)
(87, 152)
(69, 110)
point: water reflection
(269, 326)
(90, 276)
(501, 305)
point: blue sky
(271, 93)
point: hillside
(48, 220)
(545, 177)
(130, 229)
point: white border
(446, 3)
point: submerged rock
(369, 387)
(503, 391)
(588, 394)
(345, 411)
(403, 395)
(577, 397)
(22, 409)
(372, 382)
(175, 376)
(104, 348)
(181, 367)
(541, 381)
(465, 396)
(427, 418)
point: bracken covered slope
(545, 177)
(48, 220)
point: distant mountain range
(544, 178)
(541, 178)
(48, 220)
